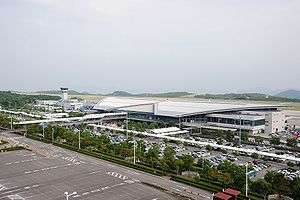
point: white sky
(150, 45)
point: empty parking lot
(25, 175)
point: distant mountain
(246, 96)
(121, 94)
(166, 94)
(291, 94)
(58, 92)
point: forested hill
(246, 96)
(13, 100)
(165, 94)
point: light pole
(52, 135)
(246, 179)
(240, 131)
(127, 125)
(134, 146)
(11, 122)
(43, 130)
(79, 147)
(67, 195)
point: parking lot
(25, 175)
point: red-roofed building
(222, 196)
(232, 192)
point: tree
(279, 183)
(208, 148)
(245, 136)
(275, 140)
(179, 166)
(152, 155)
(296, 188)
(255, 155)
(205, 167)
(169, 157)
(237, 173)
(291, 142)
(260, 186)
(188, 161)
(229, 136)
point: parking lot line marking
(11, 191)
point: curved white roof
(173, 108)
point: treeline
(10, 100)
(143, 126)
(246, 96)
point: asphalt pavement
(47, 172)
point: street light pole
(43, 131)
(52, 135)
(11, 122)
(246, 179)
(127, 125)
(79, 147)
(240, 131)
(134, 146)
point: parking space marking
(15, 197)
(50, 168)
(117, 175)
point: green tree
(292, 142)
(237, 173)
(169, 157)
(179, 166)
(152, 155)
(188, 161)
(279, 183)
(260, 186)
(296, 188)
(275, 140)
(208, 148)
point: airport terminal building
(255, 118)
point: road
(48, 171)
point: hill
(292, 94)
(166, 94)
(246, 96)
(13, 100)
(58, 92)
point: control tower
(64, 93)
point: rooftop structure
(233, 116)
(173, 108)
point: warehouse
(250, 117)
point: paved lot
(48, 171)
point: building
(248, 117)
(64, 94)
(275, 122)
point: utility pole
(246, 179)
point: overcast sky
(150, 45)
